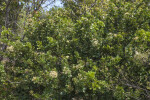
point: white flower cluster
(136, 38)
(149, 4)
(115, 35)
(141, 57)
(79, 66)
(66, 70)
(10, 48)
(5, 60)
(67, 41)
(66, 57)
(34, 78)
(53, 74)
(95, 42)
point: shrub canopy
(97, 53)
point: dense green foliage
(99, 52)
